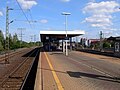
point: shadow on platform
(88, 75)
(99, 77)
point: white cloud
(99, 19)
(100, 25)
(65, 0)
(102, 7)
(27, 4)
(117, 34)
(43, 21)
(110, 29)
(1, 14)
(101, 13)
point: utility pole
(21, 35)
(7, 37)
(101, 41)
(34, 39)
(31, 38)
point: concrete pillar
(71, 44)
(63, 47)
(49, 45)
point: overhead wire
(31, 18)
(24, 13)
(29, 21)
(33, 21)
(30, 15)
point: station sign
(66, 38)
(47, 38)
(117, 47)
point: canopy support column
(70, 43)
(63, 46)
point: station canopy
(59, 35)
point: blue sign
(66, 38)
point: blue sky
(91, 16)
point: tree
(106, 45)
(2, 44)
(1, 47)
(15, 38)
(15, 42)
(10, 41)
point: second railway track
(14, 79)
(11, 54)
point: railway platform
(78, 71)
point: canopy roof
(114, 38)
(59, 35)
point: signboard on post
(47, 38)
(66, 38)
(117, 47)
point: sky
(91, 16)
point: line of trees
(2, 41)
(14, 42)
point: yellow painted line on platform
(59, 85)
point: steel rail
(21, 88)
(10, 74)
(2, 58)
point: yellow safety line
(59, 85)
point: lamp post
(66, 14)
(101, 41)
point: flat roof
(59, 35)
(114, 38)
(76, 32)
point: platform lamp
(66, 14)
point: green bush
(106, 45)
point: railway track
(3, 57)
(14, 79)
